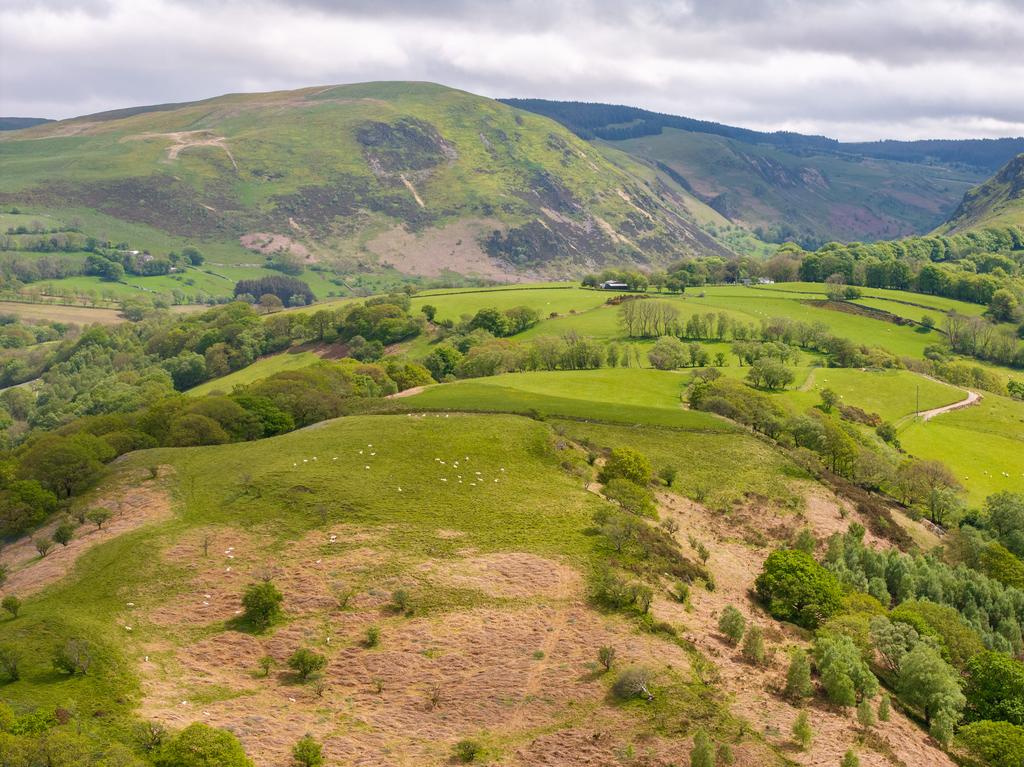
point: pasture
(619, 395)
(258, 370)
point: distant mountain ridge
(614, 122)
(415, 176)
(18, 123)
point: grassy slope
(623, 395)
(978, 443)
(999, 201)
(270, 495)
(827, 197)
(261, 368)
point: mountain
(17, 123)
(416, 176)
(791, 186)
(997, 202)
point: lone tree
(732, 624)
(606, 657)
(305, 662)
(43, 546)
(99, 516)
(262, 603)
(829, 399)
(307, 752)
(73, 657)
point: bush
(401, 602)
(626, 463)
(606, 657)
(798, 589)
(850, 759)
(997, 744)
(753, 646)
(372, 637)
(883, 708)
(703, 752)
(307, 752)
(64, 532)
(200, 745)
(11, 604)
(865, 714)
(634, 682)
(262, 603)
(802, 732)
(732, 624)
(10, 664)
(467, 751)
(630, 497)
(305, 663)
(667, 474)
(73, 657)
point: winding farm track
(972, 398)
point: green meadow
(258, 370)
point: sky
(850, 69)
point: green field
(261, 368)
(562, 299)
(982, 444)
(621, 395)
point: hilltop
(997, 202)
(784, 185)
(417, 176)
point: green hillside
(997, 202)
(808, 197)
(416, 176)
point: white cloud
(853, 69)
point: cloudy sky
(853, 69)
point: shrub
(802, 732)
(606, 657)
(307, 752)
(753, 646)
(634, 682)
(997, 744)
(703, 752)
(200, 745)
(798, 589)
(798, 676)
(11, 604)
(732, 624)
(467, 751)
(865, 714)
(64, 532)
(73, 657)
(850, 759)
(305, 662)
(266, 663)
(10, 663)
(883, 708)
(401, 602)
(262, 603)
(626, 463)
(372, 637)
(667, 474)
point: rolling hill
(997, 202)
(417, 176)
(790, 186)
